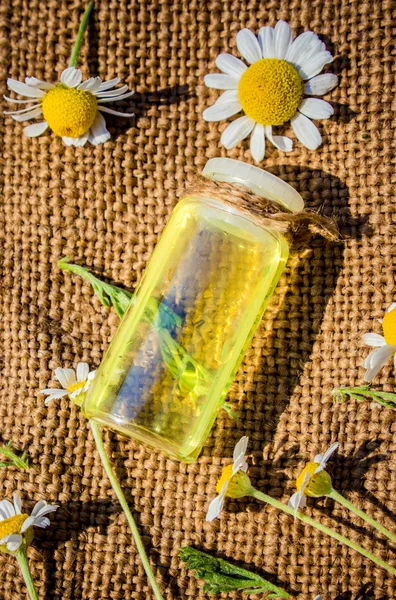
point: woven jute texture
(105, 207)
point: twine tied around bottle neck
(297, 228)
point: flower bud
(319, 484)
(239, 485)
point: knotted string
(298, 228)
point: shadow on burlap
(106, 207)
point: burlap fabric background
(105, 207)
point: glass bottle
(174, 355)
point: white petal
(41, 522)
(374, 339)
(77, 142)
(315, 64)
(239, 464)
(215, 508)
(294, 501)
(91, 377)
(17, 504)
(321, 84)
(226, 106)
(68, 141)
(323, 458)
(266, 41)
(71, 77)
(82, 371)
(248, 46)
(240, 448)
(218, 81)
(314, 47)
(98, 133)
(302, 46)
(26, 90)
(36, 129)
(392, 306)
(7, 508)
(282, 39)
(4, 539)
(118, 92)
(297, 501)
(91, 85)
(43, 85)
(378, 353)
(28, 523)
(109, 84)
(282, 142)
(115, 112)
(33, 114)
(307, 477)
(82, 140)
(306, 131)
(20, 101)
(116, 98)
(21, 111)
(231, 65)
(367, 361)
(66, 377)
(37, 507)
(378, 359)
(237, 131)
(14, 541)
(3, 515)
(56, 393)
(257, 143)
(315, 108)
(46, 510)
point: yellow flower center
(68, 111)
(389, 327)
(225, 476)
(239, 484)
(12, 525)
(319, 484)
(76, 386)
(270, 91)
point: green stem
(305, 519)
(120, 495)
(24, 566)
(78, 43)
(338, 498)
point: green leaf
(227, 407)
(221, 576)
(364, 392)
(21, 462)
(108, 294)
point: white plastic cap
(257, 180)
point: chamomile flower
(386, 345)
(271, 90)
(233, 482)
(74, 383)
(71, 108)
(15, 526)
(313, 480)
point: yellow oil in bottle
(175, 353)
